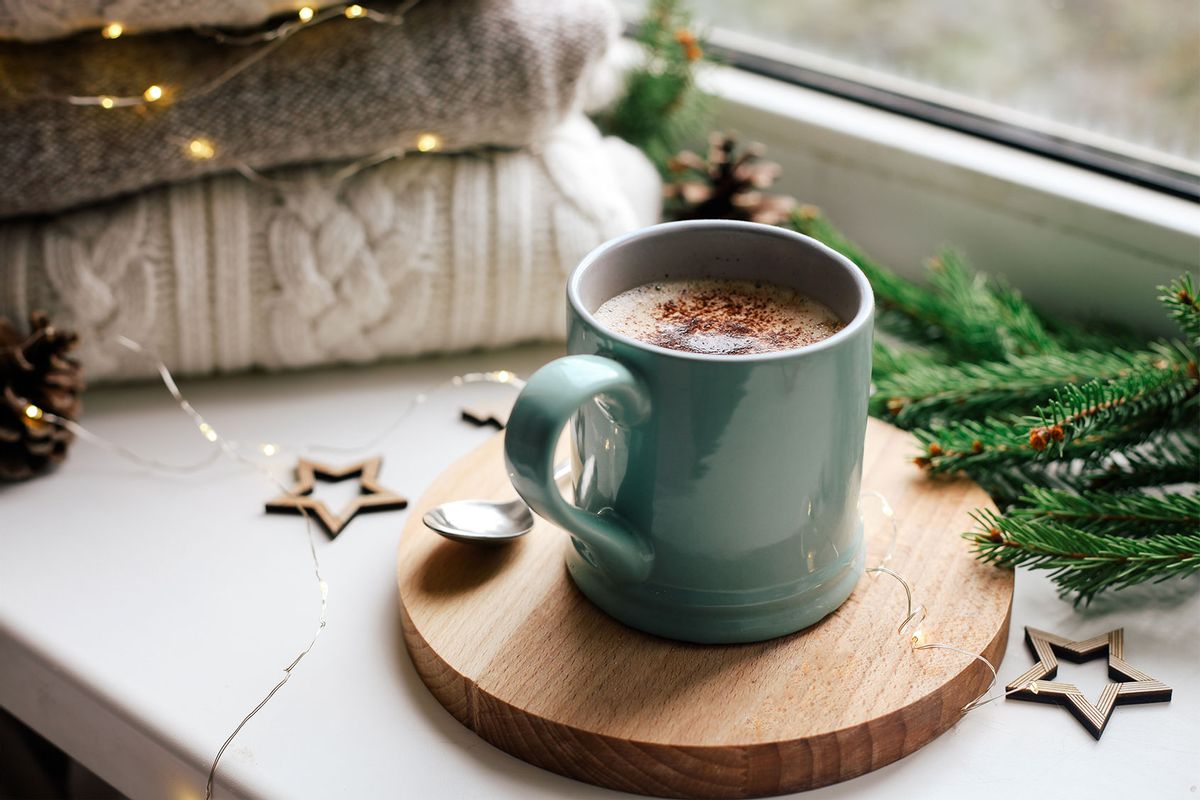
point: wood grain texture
(507, 644)
(1131, 685)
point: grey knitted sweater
(32, 20)
(496, 72)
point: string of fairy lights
(910, 629)
(248, 454)
(202, 148)
(159, 91)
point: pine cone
(728, 185)
(36, 370)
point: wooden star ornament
(373, 497)
(1130, 685)
(494, 413)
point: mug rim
(860, 319)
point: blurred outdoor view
(1128, 70)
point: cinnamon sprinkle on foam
(719, 317)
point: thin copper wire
(270, 39)
(286, 29)
(496, 376)
(978, 701)
(344, 174)
(914, 616)
(890, 513)
(126, 453)
(231, 449)
(908, 624)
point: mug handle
(550, 397)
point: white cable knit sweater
(427, 254)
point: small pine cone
(726, 185)
(37, 376)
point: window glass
(1119, 75)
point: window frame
(1074, 240)
(1138, 165)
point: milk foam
(719, 317)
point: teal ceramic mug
(716, 496)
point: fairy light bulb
(33, 412)
(112, 30)
(269, 449)
(305, 14)
(886, 508)
(200, 149)
(207, 431)
(354, 11)
(912, 625)
(429, 142)
(153, 93)
(107, 101)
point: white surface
(1075, 241)
(141, 616)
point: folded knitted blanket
(424, 254)
(33, 20)
(473, 72)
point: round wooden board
(508, 645)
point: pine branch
(1182, 305)
(1112, 513)
(973, 317)
(1079, 561)
(1153, 394)
(661, 108)
(980, 446)
(891, 291)
(1107, 336)
(898, 325)
(1024, 325)
(991, 320)
(1167, 458)
(925, 394)
(892, 360)
(1007, 483)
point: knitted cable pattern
(421, 255)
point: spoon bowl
(480, 521)
(486, 522)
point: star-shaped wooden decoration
(373, 497)
(494, 413)
(1130, 685)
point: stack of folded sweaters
(156, 221)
